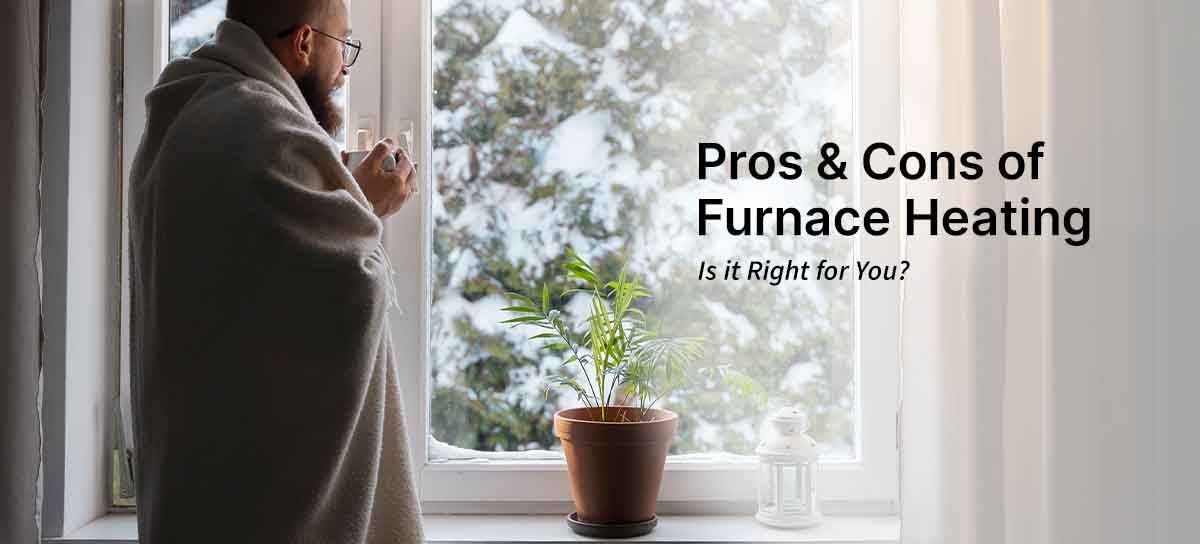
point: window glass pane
(192, 23)
(575, 123)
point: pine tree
(575, 122)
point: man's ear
(298, 50)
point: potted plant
(616, 444)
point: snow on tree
(575, 122)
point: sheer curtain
(1036, 375)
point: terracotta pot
(615, 466)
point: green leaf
(580, 272)
(545, 298)
(565, 381)
(523, 319)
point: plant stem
(651, 405)
(578, 359)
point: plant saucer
(610, 530)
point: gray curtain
(19, 291)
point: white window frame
(80, 223)
(390, 92)
(869, 485)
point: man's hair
(269, 17)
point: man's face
(326, 74)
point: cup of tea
(357, 157)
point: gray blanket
(265, 396)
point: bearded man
(265, 395)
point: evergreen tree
(575, 122)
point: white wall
(82, 226)
(93, 230)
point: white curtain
(1036, 375)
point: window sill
(122, 529)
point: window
(576, 124)
(192, 23)
(548, 123)
(551, 123)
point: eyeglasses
(350, 48)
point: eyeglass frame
(348, 45)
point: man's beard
(322, 103)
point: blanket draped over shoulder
(265, 395)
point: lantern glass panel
(766, 488)
(804, 488)
(787, 480)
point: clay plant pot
(616, 465)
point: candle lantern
(787, 459)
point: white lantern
(787, 461)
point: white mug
(356, 158)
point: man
(266, 406)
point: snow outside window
(554, 123)
(576, 123)
(192, 23)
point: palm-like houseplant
(616, 444)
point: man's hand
(387, 191)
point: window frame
(390, 92)
(869, 485)
(144, 54)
